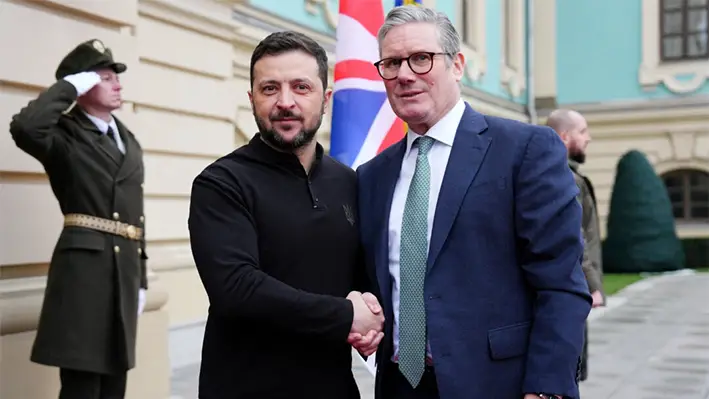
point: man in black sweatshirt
(274, 235)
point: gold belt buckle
(131, 232)
(126, 230)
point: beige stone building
(185, 92)
(185, 100)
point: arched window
(689, 193)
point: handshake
(367, 323)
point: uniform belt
(115, 227)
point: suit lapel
(133, 155)
(97, 137)
(467, 154)
(385, 187)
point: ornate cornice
(322, 7)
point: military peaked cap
(88, 56)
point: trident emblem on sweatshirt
(349, 215)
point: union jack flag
(363, 123)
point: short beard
(273, 138)
(578, 157)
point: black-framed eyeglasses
(420, 63)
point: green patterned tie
(412, 268)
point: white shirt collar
(444, 130)
(101, 124)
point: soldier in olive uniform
(97, 276)
(573, 130)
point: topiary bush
(641, 234)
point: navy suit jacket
(506, 299)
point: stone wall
(185, 96)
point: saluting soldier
(573, 130)
(97, 276)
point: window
(689, 194)
(509, 24)
(513, 46)
(683, 27)
(674, 51)
(470, 20)
(466, 25)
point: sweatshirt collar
(284, 159)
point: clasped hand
(367, 323)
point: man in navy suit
(472, 229)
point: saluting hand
(83, 81)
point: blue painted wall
(599, 52)
(294, 10)
(489, 83)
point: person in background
(273, 229)
(97, 275)
(471, 225)
(573, 130)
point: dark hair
(282, 42)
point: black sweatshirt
(277, 250)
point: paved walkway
(655, 345)
(652, 342)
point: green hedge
(696, 251)
(641, 233)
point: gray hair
(448, 37)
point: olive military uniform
(88, 322)
(592, 259)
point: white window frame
(653, 71)
(473, 46)
(513, 67)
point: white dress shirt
(443, 133)
(103, 126)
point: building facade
(185, 92)
(638, 70)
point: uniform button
(140, 251)
(142, 219)
(116, 215)
(116, 249)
